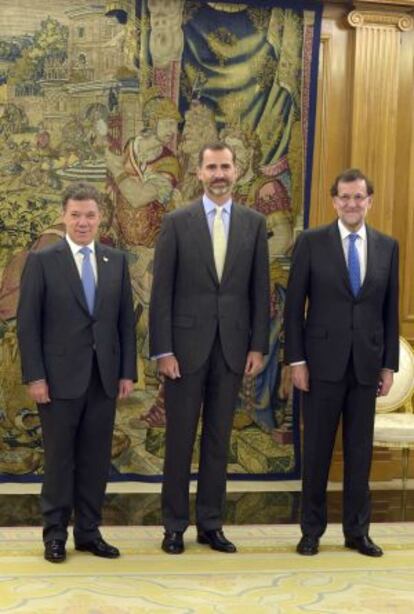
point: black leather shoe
(173, 542)
(308, 545)
(55, 551)
(216, 540)
(99, 547)
(364, 545)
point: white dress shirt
(78, 257)
(360, 244)
(210, 211)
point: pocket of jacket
(377, 338)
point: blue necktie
(88, 278)
(354, 267)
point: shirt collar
(210, 205)
(75, 248)
(344, 232)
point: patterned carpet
(266, 576)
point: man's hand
(125, 387)
(168, 366)
(39, 391)
(254, 363)
(300, 377)
(385, 382)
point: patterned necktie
(354, 267)
(219, 241)
(88, 278)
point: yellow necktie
(219, 241)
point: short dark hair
(351, 174)
(81, 190)
(216, 146)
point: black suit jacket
(58, 336)
(189, 304)
(336, 323)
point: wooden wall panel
(404, 206)
(332, 134)
(374, 108)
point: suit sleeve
(29, 319)
(295, 303)
(391, 327)
(162, 293)
(126, 327)
(260, 294)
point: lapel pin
(105, 259)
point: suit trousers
(213, 388)
(77, 439)
(323, 407)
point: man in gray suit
(75, 325)
(341, 326)
(209, 325)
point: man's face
(82, 219)
(352, 203)
(217, 174)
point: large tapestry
(124, 93)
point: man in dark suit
(209, 325)
(343, 349)
(75, 325)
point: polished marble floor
(280, 507)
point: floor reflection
(242, 508)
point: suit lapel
(203, 238)
(103, 265)
(373, 256)
(338, 255)
(71, 273)
(234, 241)
(204, 242)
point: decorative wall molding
(398, 5)
(399, 21)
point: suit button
(94, 347)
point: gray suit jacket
(189, 304)
(58, 336)
(336, 323)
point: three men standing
(75, 325)
(209, 325)
(341, 326)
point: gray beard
(219, 190)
